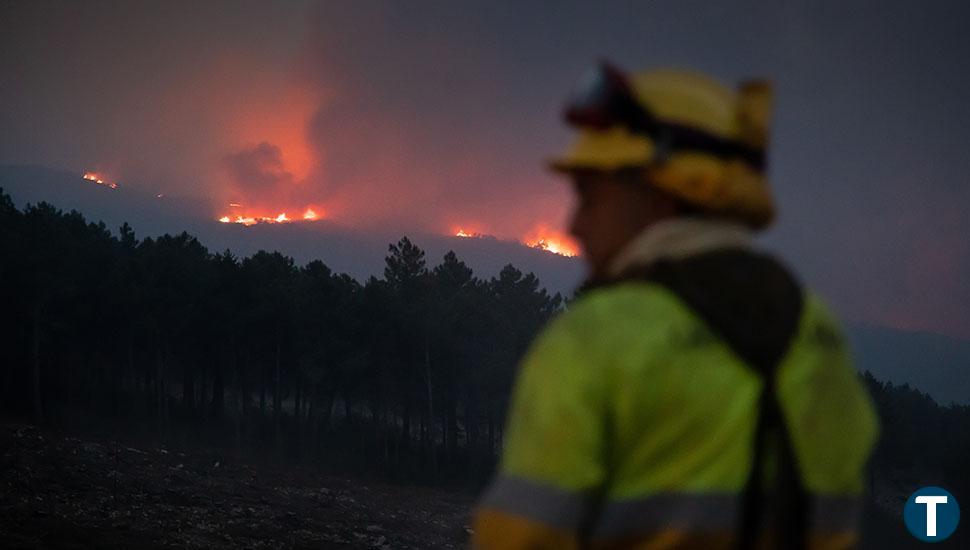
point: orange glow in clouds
(273, 114)
(283, 124)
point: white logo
(930, 502)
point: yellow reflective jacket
(634, 413)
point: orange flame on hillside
(555, 246)
(310, 214)
(99, 179)
(542, 238)
(552, 241)
(469, 234)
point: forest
(404, 376)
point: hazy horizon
(381, 118)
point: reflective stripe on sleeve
(710, 512)
(536, 501)
(698, 512)
(680, 511)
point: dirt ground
(66, 492)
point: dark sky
(438, 115)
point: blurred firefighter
(695, 395)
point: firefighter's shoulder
(628, 321)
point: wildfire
(99, 179)
(542, 238)
(552, 241)
(309, 215)
(466, 233)
(556, 247)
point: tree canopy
(407, 375)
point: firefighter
(695, 395)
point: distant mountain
(932, 363)
(147, 213)
(360, 254)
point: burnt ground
(65, 492)
(62, 491)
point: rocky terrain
(62, 491)
(65, 492)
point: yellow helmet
(696, 138)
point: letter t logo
(930, 502)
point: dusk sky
(437, 115)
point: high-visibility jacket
(634, 414)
